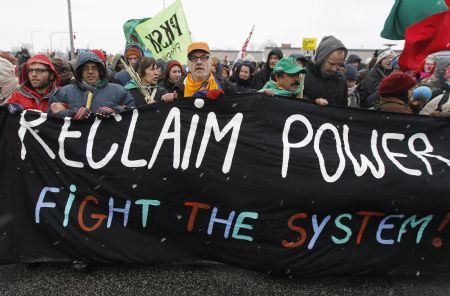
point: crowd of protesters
(101, 84)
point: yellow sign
(309, 43)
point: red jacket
(26, 96)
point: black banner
(271, 184)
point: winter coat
(392, 104)
(27, 96)
(104, 93)
(368, 89)
(333, 88)
(139, 98)
(264, 74)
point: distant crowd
(96, 83)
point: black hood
(275, 51)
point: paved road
(200, 279)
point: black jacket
(264, 74)
(139, 98)
(333, 89)
(368, 89)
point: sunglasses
(203, 58)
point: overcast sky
(224, 24)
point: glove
(105, 111)
(214, 94)
(81, 113)
(15, 108)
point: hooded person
(243, 77)
(396, 91)
(132, 55)
(286, 80)
(8, 80)
(116, 63)
(91, 92)
(354, 60)
(64, 70)
(39, 85)
(368, 89)
(324, 83)
(265, 73)
(172, 74)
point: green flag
(167, 34)
(404, 13)
(132, 37)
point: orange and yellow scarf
(194, 88)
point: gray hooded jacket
(332, 88)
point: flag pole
(243, 50)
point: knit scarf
(194, 88)
(272, 85)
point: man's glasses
(203, 58)
(87, 68)
(37, 70)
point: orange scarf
(192, 87)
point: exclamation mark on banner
(437, 241)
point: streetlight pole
(32, 41)
(51, 38)
(72, 47)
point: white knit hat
(385, 53)
(8, 80)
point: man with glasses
(41, 82)
(91, 92)
(199, 81)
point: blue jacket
(104, 93)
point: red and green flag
(425, 26)
(405, 13)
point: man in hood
(286, 80)
(368, 89)
(324, 83)
(264, 74)
(91, 92)
(40, 83)
(132, 55)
